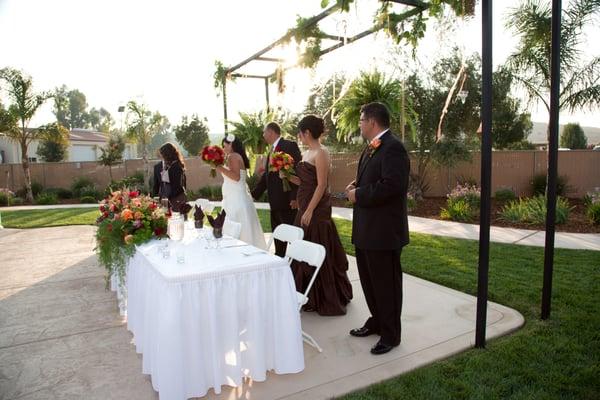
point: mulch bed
(577, 223)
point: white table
(219, 317)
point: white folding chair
(232, 228)
(313, 254)
(286, 233)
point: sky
(162, 53)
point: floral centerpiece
(213, 156)
(126, 219)
(284, 164)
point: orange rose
(126, 214)
(138, 215)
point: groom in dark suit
(380, 225)
(283, 204)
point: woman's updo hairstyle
(312, 123)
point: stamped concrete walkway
(61, 336)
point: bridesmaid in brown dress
(331, 291)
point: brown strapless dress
(331, 290)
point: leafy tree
(192, 134)
(509, 125)
(15, 120)
(142, 126)
(572, 137)
(54, 142)
(70, 108)
(100, 120)
(112, 153)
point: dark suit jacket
(177, 181)
(272, 183)
(380, 219)
(156, 179)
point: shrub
(592, 204)
(411, 202)
(5, 196)
(505, 194)
(133, 182)
(210, 192)
(16, 201)
(533, 210)
(593, 213)
(469, 193)
(63, 193)
(538, 185)
(80, 183)
(46, 198)
(60, 193)
(458, 210)
(36, 188)
(88, 200)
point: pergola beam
(312, 21)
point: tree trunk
(26, 172)
(110, 172)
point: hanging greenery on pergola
(407, 26)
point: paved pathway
(582, 241)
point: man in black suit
(380, 225)
(283, 204)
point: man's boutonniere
(373, 146)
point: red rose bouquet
(284, 164)
(213, 156)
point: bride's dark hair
(238, 147)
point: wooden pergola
(486, 137)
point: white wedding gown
(239, 206)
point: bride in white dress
(237, 201)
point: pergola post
(486, 172)
(552, 159)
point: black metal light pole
(552, 159)
(486, 172)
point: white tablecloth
(217, 318)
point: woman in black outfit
(172, 177)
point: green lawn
(52, 217)
(555, 359)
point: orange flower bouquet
(126, 219)
(284, 164)
(213, 156)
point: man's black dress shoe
(381, 348)
(362, 332)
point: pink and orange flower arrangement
(126, 219)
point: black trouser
(380, 274)
(279, 217)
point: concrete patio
(61, 336)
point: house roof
(87, 135)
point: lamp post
(121, 109)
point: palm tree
(249, 129)
(530, 64)
(142, 125)
(367, 88)
(14, 121)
